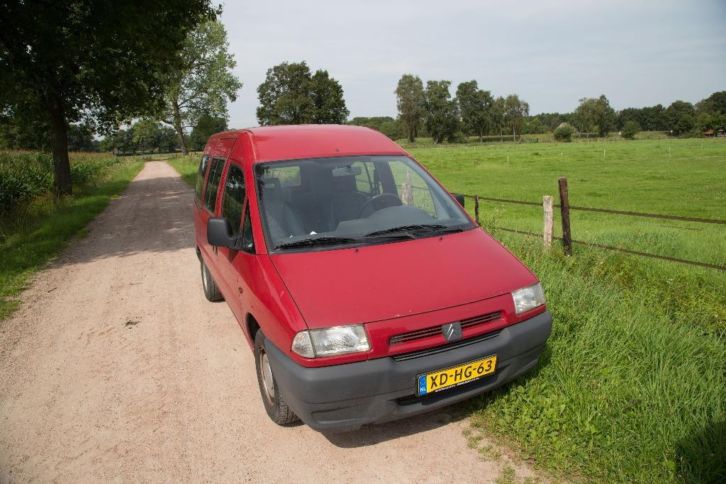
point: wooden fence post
(476, 209)
(565, 213)
(548, 221)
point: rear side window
(215, 173)
(234, 197)
(200, 176)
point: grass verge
(34, 233)
(186, 166)
(632, 386)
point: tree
(630, 129)
(67, 61)
(595, 115)
(515, 112)
(328, 99)
(564, 132)
(498, 114)
(410, 101)
(713, 104)
(442, 113)
(205, 82)
(475, 106)
(385, 124)
(206, 126)
(291, 95)
(681, 117)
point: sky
(550, 52)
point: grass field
(34, 232)
(632, 386)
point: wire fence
(627, 213)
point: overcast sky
(550, 52)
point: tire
(275, 405)
(211, 291)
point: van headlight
(528, 298)
(338, 340)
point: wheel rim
(205, 279)
(268, 382)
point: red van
(366, 291)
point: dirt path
(117, 368)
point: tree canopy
(102, 62)
(410, 100)
(475, 106)
(206, 126)
(291, 95)
(204, 83)
(595, 115)
(442, 112)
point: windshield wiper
(407, 229)
(312, 242)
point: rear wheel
(211, 291)
(275, 405)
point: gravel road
(117, 368)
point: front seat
(282, 221)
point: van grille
(434, 330)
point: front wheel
(275, 405)
(211, 291)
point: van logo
(452, 331)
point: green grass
(186, 166)
(34, 233)
(677, 177)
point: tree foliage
(410, 100)
(630, 129)
(442, 112)
(385, 124)
(595, 115)
(681, 117)
(514, 114)
(206, 126)
(72, 60)
(564, 132)
(205, 82)
(475, 106)
(291, 95)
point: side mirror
(218, 233)
(459, 198)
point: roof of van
(274, 143)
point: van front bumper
(345, 397)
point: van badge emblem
(452, 331)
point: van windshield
(330, 202)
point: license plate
(436, 381)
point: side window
(200, 176)
(234, 197)
(215, 173)
(248, 242)
(363, 177)
(412, 189)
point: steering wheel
(378, 202)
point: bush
(564, 132)
(630, 129)
(26, 175)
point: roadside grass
(631, 387)
(186, 166)
(34, 232)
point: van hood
(392, 280)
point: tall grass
(632, 387)
(36, 226)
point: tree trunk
(481, 136)
(178, 128)
(59, 142)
